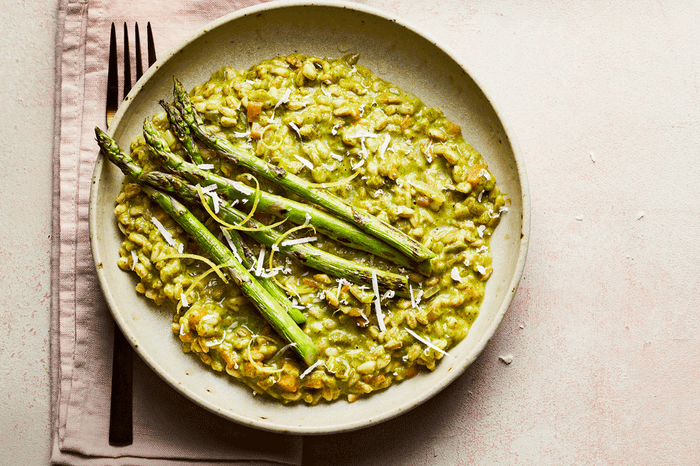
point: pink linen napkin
(168, 428)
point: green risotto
(336, 124)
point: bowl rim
(512, 285)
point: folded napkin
(168, 428)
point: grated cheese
(415, 299)
(216, 200)
(261, 262)
(244, 189)
(183, 300)
(485, 174)
(206, 166)
(134, 259)
(234, 250)
(480, 230)
(385, 144)
(310, 369)
(455, 275)
(291, 242)
(358, 164)
(426, 342)
(295, 128)
(304, 161)
(283, 100)
(166, 234)
(377, 304)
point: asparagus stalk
(373, 225)
(305, 253)
(268, 283)
(113, 153)
(182, 132)
(297, 212)
(269, 307)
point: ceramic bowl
(395, 51)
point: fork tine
(139, 63)
(112, 77)
(151, 45)
(127, 62)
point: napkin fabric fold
(168, 428)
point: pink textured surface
(604, 99)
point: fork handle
(121, 431)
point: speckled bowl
(397, 52)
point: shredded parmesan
(232, 246)
(291, 242)
(206, 166)
(166, 234)
(480, 230)
(295, 128)
(216, 200)
(304, 161)
(310, 369)
(242, 188)
(426, 342)
(385, 144)
(283, 100)
(261, 262)
(485, 174)
(455, 275)
(134, 259)
(377, 304)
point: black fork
(121, 425)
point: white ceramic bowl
(398, 53)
